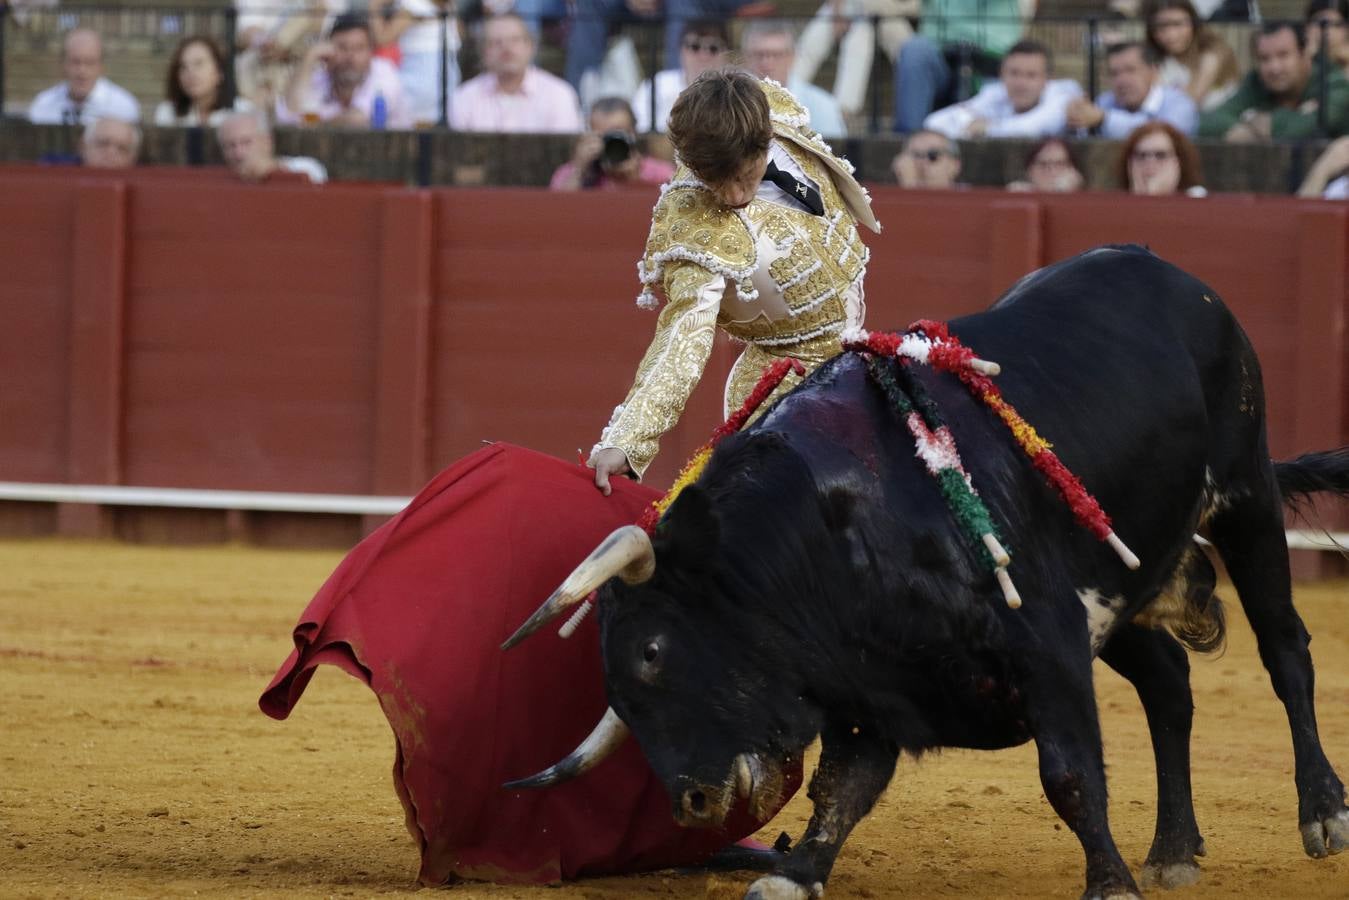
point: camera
(618, 147)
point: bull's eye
(650, 652)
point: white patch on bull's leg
(1169, 876)
(775, 887)
(1102, 611)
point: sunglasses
(1154, 155)
(929, 155)
(711, 47)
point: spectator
(1279, 100)
(1193, 56)
(1023, 102)
(590, 29)
(705, 46)
(607, 156)
(770, 52)
(198, 88)
(513, 95)
(929, 161)
(1136, 96)
(960, 39)
(849, 24)
(1050, 169)
(1158, 160)
(533, 12)
(1327, 177)
(271, 38)
(1331, 17)
(110, 144)
(340, 81)
(415, 26)
(22, 10)
(246, 143)
(86, 94)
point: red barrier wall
(184, 332)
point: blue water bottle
(379, 112)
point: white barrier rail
(191, 498)
(356, 504)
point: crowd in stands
(963, 70)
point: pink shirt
(544, 103)
(651, 171)
(383, 79)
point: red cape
(418, 610)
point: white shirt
(106, 101)
(770, 191)
(1163, 103)
(423, 35)
(165, 116)
(669, 83)
(305, 165)
(1049, 116)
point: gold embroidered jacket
(780, 279)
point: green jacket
(1285, 123)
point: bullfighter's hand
(608, 462)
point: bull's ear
(690, 531)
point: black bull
(814, 582)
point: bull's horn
(602, 741)
(626, 553)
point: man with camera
(607, 156)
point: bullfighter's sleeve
(671, 367)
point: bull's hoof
(1114, 893)
(1326, 836)
(1170, 875)
(775, 887)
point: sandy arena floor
(134, 760)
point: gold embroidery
(695, 244)
(671, 367)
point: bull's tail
(1324, 472)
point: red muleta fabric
(418, 610)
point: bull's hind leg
(1062, 705)
(854, 769)
(1158, 668)
(1248, 533)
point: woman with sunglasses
(1157, 160)
(705, 45)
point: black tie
(799, 191)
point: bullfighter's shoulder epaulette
(689, 224)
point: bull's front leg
(854, 769)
